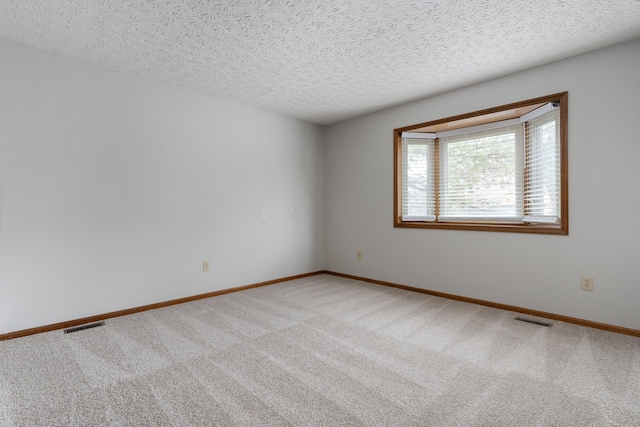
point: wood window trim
(557, 229)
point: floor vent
(83, 327)
(535, 322)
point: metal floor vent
(83, 327)
(535, 322)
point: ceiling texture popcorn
(320, 60)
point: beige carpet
(322, 350)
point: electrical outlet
(586, 283)
(359, 254)
(205, 265)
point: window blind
(481, 175)
(542, 169)
(418, 178)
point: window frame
(561, 228)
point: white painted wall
(604, 199)
(114, 188)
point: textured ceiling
(320, 60)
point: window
(501, 169)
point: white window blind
(542, 195)
(481, 175)
(418, 178)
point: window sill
(557, 229)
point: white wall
(604, 199)
(114, 188)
